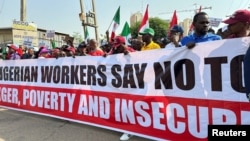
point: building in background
(136, 17)
(185, 24)
(24, 33)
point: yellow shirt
(151, 45)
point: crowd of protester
(238, 25)
(90, 47)
(202, 33)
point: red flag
(174, 20)
(192, 26)
(145, 21)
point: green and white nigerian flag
(126, 33)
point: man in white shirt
(176, 34)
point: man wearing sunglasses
(176, 34)
(201, 27)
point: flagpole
(107, 32)
(145, 21)
(110, 25)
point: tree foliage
(160, 27)
(77, 37)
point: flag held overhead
(117, 16)
(116, 22)
(174, 20)
(86, 35)
(126, 33)
(145, 22)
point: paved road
(20, 126)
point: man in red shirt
(93, 48)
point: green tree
(160, 27)
(134, 29)
(77, 37)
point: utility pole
(82, 17)
(89, 19)
(96, 27)
(23, 11)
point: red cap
(118, 40)
(239, 16)
(12, 47)
(72, 49)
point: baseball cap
(44, 50)
(12, 46)
(72, 49)
(82, 45)
(148, 31)
(239, 16)
(177, 28)
(118, 40)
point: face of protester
(69, 53)
(106, 48)
(146, 38)
(22, 48)
(201, 25)
(55, 53)
(137, 44)
(31, 51)
(237, 27)
(175, 36)
(45, 55)
(92, 44)
(62, 54)
(81, 50)
(119, 49)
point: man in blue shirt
(201, 26)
